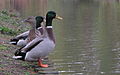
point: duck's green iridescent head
(52, 15)
(39, 20)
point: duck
(41, 46)
(34, 32)
(21, 39)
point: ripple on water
(117, 72)
(79, 73)
(66, 72)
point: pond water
(88, 38)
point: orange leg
(42, 65)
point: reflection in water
(25, 7)
(87, 38)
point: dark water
(88, 38)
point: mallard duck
(36, 28)
(21, 40)
(41, 46)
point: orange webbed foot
(42, 65)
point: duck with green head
(21, 40)
(40, 47)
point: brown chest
(31, 35)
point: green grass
(6, 30)
(3, 47)
(7, 17)
(27, 73)
(25, 64)
(10, 23)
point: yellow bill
(58, 17)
